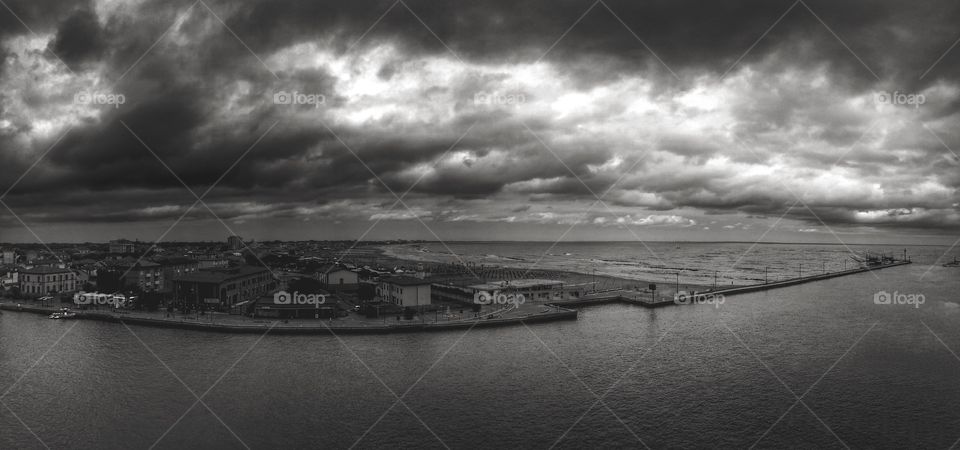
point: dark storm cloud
(79, 38)
(200, 97)
(890, 36)
(36, 14)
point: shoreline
(278, 327)
(603, 282)
(564, 310)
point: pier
(644, 299)
(563, 311)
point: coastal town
(246, 284)
(318, 286)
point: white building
(44, 280)
(404, 291)
(338, 277)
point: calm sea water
(696, 262)
(870, 376)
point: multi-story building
(48, 262)
(404, 291)
(122, 246)
(8, 256)
(44, 280)
(144, 276)
(235, 242)
(211, 261)
(224, 287)
(175, 266)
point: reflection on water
(691, 377)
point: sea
(700, 263)
(862, 361)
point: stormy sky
(813, 121)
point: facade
(211, 261)
(223, 287)
(9, 276)
(122, 246)
(8, 256)
(41, 281)
(175, 266)
(533, 290)
(404, 291)
(235, 242)
(145, 276)
(267, 306)
(48, 262)
(337, 277)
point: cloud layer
(813, 116)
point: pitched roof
(219, 275)
(407, 281)
(40, 270)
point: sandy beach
(433, 263)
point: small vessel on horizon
(65, 313)
(954, 263)
(871, 259)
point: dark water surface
(871, 376)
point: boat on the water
(872, 259)
(954, 263)
(64, 314)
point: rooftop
(40, 270)
(219, 275)
(407, 281)
(517, 284)
(174, 260)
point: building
(174, 266)
(9, 276)
(43, 280)
(267, 306)
(47, 262)
(338, 278)
(404, 291)
(235, 242)
(122, 246)
(8, 256)
(223, 287)
(211, 261)
(144, 276)
(533, 290)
